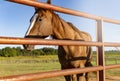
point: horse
(46, 23)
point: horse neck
(63, 30)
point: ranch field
(24, 65)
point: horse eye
(40, 19)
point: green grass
(24, 65)
(113, 72)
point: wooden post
(100, 51)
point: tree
(49, 51)
(19, 51)
(1, 52)
(37, 52)
(9, 52)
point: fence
(99, 44)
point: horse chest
(71, 56)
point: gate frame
(100, 44)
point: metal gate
(100, 44)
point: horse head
(40, 25)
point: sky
(14, 18)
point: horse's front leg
(87, 76)
(68, 78)
(71, 77)
(74, 77)
(81, 77)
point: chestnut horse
(45, 23)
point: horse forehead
(41, 11)
(46, 13)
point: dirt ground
(109, 78)
(113, 78)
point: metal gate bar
(100, 51)
(33, 41)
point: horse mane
(82, 33)
(56, 20)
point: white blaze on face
(32, 23)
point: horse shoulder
(86, 36)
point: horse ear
(49, 1)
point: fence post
(100, 51)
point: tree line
(18, 51)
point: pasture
(23, 65)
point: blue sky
(14, 18)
